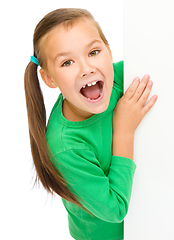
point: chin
(100, 109)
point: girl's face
(80, 65)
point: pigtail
(50, 177)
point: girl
(85, 153)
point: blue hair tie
(34, 60)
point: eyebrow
(69, 53)
(91, 43)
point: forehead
(66, 38)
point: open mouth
(93, 90)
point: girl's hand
(131, 108)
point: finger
(141, 87)
(132, 88)
(143, 98)
(150, 104)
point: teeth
(93, 83)
(90, 84)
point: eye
(94, 53)
(67, 63)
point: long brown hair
(49, 176)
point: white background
(27, 213)
(149, 48)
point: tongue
(92, 92)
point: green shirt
(82, 151)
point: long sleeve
(119, 75)
(106, 197)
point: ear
(47, 79)
(110, 53)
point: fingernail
(147, 77)
(150, 83)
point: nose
(86, 69)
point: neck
(71, 113)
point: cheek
(62, 79)
(106, 64)
(67, 87)
(112, 73)
(109, 72)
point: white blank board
(149, 49)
